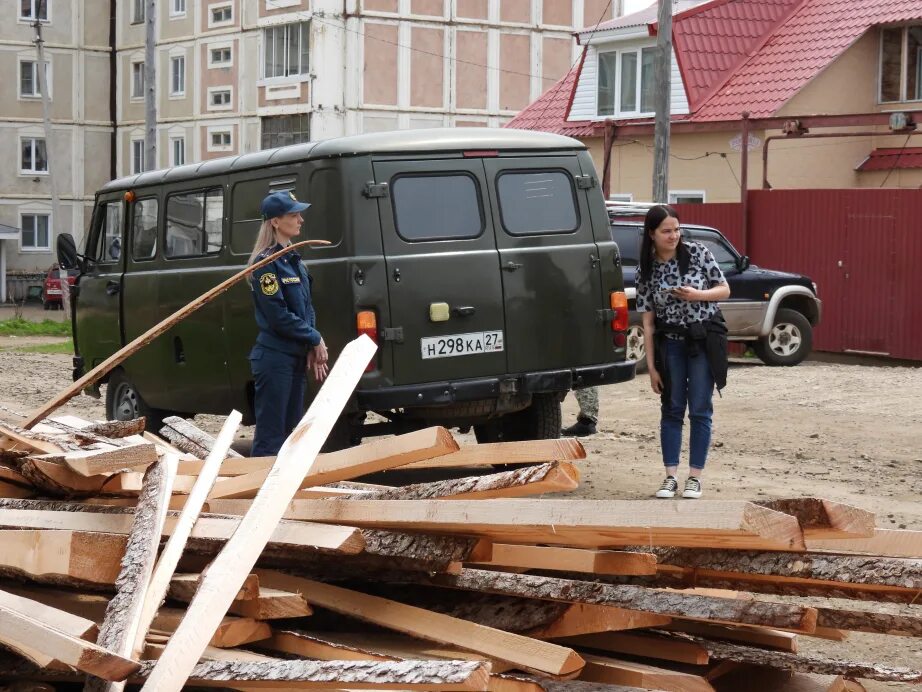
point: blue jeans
(279, 401)
(691, 384)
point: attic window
(625, 82)
(901, 64)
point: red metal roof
(890, 159)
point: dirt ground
(846, 432)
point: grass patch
(17, 326)
(65, 347)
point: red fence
(863, 248)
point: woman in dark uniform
(288, 341)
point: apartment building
(234, 76)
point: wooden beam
(907, 625)
(528, 653)
(577, 523)
(125, 616)
(184, 586)
(23, 633)
(14, 490)
(272, 604)
(758, 636)
(98, 462)
(57, 480)
(571, 559)
(74, 625)
(139, 342)
(13, 438)
(886, 542)
(189, 438)
(824, 518)
(377, 455)
(235, 561)
(69, 557)
(616, 671)
(10, 476)
(131, 483)
(643, 645)
(231, 466)
(495, 453)
(230, 631)
(586, 618)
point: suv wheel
(124, 402)
(789, 341)
(636, 350)
(540, 421)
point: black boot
(581, 428)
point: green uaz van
(480, 260)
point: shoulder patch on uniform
(269, 284)
(290, 280)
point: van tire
(124, 402)
(789, 341)
(540, 421)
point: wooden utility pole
(42, 72)
(662, 71)
(150, 86)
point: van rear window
(194, 223)
(537, 202)
(437, 207)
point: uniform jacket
(284, 312)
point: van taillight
(366, 322)
(618, 302)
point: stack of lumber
(168, 561)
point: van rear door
(98, 305)
(444, 285)
(552, 282)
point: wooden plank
(234, 562)
(231, 466)
(907, 625)
(230, 631)
(340, 539)
(377, 455)
(139, 342)
(188, 437)
(23, 633)
(757, 636)
(14, 490)
(62, 556)
(98, 462)
(131, 483)
(571, 559)
(821, 518)
(11, 437)
(528, 653)
(58, 480)
(616, 671)
(643, 645)
(525, 452)
(9, 475)
(182, 530)
(577, 523)
(272, 604)
(74, 625)
(125, 613)
(585, 618)
(184, 586)
(886, 542)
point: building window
(625, 82)
(178, 8)
(34, 9)
(178, 75)
(219, 140)
(686, 197)
(28, 79)
(901, 64)
(177, 151)
(35, 231)
(287, 49)
(137, 11)
(220, 98)
(137, 156)
(285, 129)
(137, 80)
(220, 57)
(34, 157)
(220, 14)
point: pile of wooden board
(168, 561)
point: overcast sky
(631, 6)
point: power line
(896, 161)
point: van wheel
(124, 402)
(789, 341)
(540, 421)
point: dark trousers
(279, 397)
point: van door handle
(113, 287)
(594, 261)
(464, 310)
(512, 266)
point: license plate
(53, 291)
(461, 344)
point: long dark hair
(655, 216)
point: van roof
(400, 141)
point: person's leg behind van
(273, 377)
(588, 416)
(295, 410)
(700, 415)
(672, 413)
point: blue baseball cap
(281, 203)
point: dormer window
(901, 64)
(625, 82)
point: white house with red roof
(773, 59)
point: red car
(51, 287)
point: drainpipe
(744, 180)
(607, 142)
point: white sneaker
(692, 488)
(668, 488)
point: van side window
(194, 223)
(107, 243)
(437, 207)
(628, 240)
(535, 202)
(144, 229)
